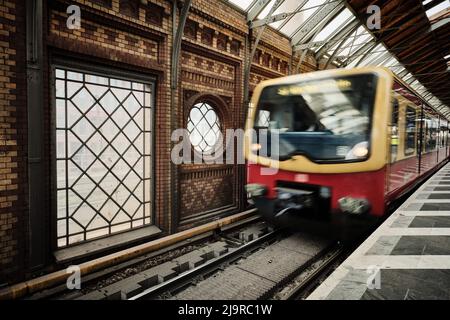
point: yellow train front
(334, 148)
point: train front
(316, 148)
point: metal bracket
(177, 42)
(268, 20)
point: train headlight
(353, 205)
(359, 151)
(256, 190)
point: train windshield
(327, 120)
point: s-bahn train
(339, 146)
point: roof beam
(316, 19)
(257, 9)
(383, 58)
(324, 43)
(440, 23)
(297, 10)
(268, 20)
(364, 51)
(342, 34)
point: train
(338, 148)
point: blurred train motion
(343, 146)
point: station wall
(130, 37)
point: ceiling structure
(413, 41)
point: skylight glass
(438, 8)
(335, 25)
(266, 10)
(297, 20)
(304, 14)
(243, 4)
(347, 51)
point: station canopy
(337, 30)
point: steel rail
(337, 254)
(196, 273)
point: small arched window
(204, 127)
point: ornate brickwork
(13, 174)
(132, 36)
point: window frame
(110, 72)
(212, 106)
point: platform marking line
(437, 201)
(400, 262)
(431, 192)
(416, 232)
(424, 213)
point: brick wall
(140, 43)
(135, 36)
(13, 175)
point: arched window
(204, 127)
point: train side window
(446, 136)
(425, 134)
(410, 131)
(395, 107)
(394, 130)
(435, 134)
(431, 133)
(442, 134)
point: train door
(404, 161)
(434, 143)
(428, 159)
(448, 139)
(442, 139)
(409, 165)
(394, 180)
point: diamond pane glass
(103, 132)
(203, 127)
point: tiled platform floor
(408, 257)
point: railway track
(248, 260)
(171, 266)
(253, 262)
(165, 290)
(312, 276)
(253, 274)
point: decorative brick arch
(206, 191)
(217, 103)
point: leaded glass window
(103, 155)
(204, 127)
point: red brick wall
(13, 173)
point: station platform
(406, 258)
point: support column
(37, 244)
(178, 30)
